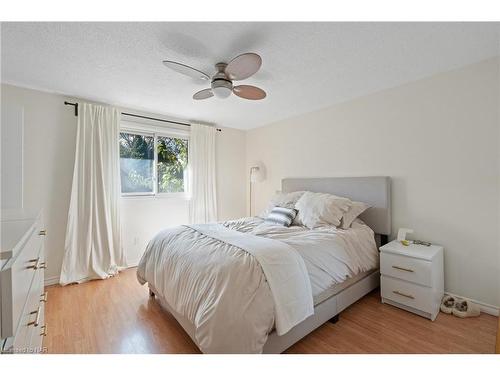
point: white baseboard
(485, 308)
(51, 280)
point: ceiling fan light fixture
(222, 88)
(222, 92)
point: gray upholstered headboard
(375, 191)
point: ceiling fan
(239, 68)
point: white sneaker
(466, 309)
(447, 304)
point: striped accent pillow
(281, 216)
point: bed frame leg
(335, 319)
(151, 293)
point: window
(145, 171)
(136, 163)
(172, 163)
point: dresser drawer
(37, 300)
(31, 318)
(17, 280)
(406, 268)
(38, 296)
(37, 335)
(405, 293)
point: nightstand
(412, 277)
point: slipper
(466, 309)
(447, 304)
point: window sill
(177, 196)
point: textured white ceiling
(306, 66)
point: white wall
(11, 147)
(142, 218)
(437, 138)
(49, 141)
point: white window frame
(148, 130)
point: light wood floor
(117, 316)
(498, 337)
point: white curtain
(93, 240)
(203, 204)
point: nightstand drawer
(406, 268)
(405, 293)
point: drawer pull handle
(42, 233)
(403, 294)
(44, 297)
(43, 265)
(37, 318)
(403, 269)
(36, 265)
(44, 332)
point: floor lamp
(256, 175)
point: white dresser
(412, 277)
(22, 294)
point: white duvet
(229, 279)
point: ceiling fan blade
(243, 66)
(186, 70)
(249, 92)
(203, 94)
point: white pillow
(319, 209)
(286, 200)
(356, 209)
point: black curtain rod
(139, 116)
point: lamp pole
(252, 170)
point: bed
(246, 287)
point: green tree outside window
(172, 163)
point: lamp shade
(257, 173)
